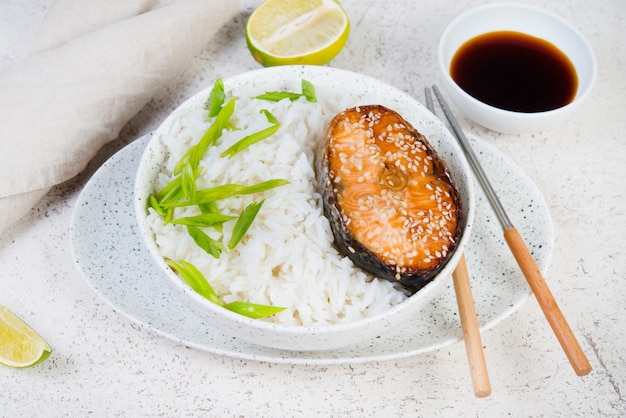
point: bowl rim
(317, 329)
(470, 13)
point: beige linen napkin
(69, 19)
(58, 107)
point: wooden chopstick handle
(471, 331)
(548, 305)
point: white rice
(287, 257)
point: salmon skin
(391, 201)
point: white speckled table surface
(104, 364)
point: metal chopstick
(522, 255)
(467, 313)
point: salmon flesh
(391, 201)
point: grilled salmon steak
(391, 201)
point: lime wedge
(281, 32)
(20, 346)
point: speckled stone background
(105, 365)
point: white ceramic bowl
(529, 20)
(361, 89)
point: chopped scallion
(194, 279)
(249, 140)
(308, 90)
(188, 182)
(253, 310)
(210, 207)
(212, 134)
(270, 116)
(211, 194)
(182, 191)
(204, 220)
(263, 186)
(243, 223)
(171, 191)
(216, 99)
(224, 191)
(154, 204)
(204, 241)
(277, 96)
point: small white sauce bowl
(532, 21)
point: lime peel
(287, 32)
(20, 346)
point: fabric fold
(60, 106)
(69, 19)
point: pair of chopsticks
(467, 313)
(522, 255)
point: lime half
(20, 346)
(281, 32)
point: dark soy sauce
(515, 71)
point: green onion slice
(208, 244)
(153, 202)
(277, 96)
(216, 98)
(212, 134)
(210, 207)
(253, 310)
(263, 186)
(204, 220)
(171, 191)
(249, 140)
(211, 194)
(308, 90)
(243, 223)
(188, 181)
(224, 191)
(269, 116)
(194, 279)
